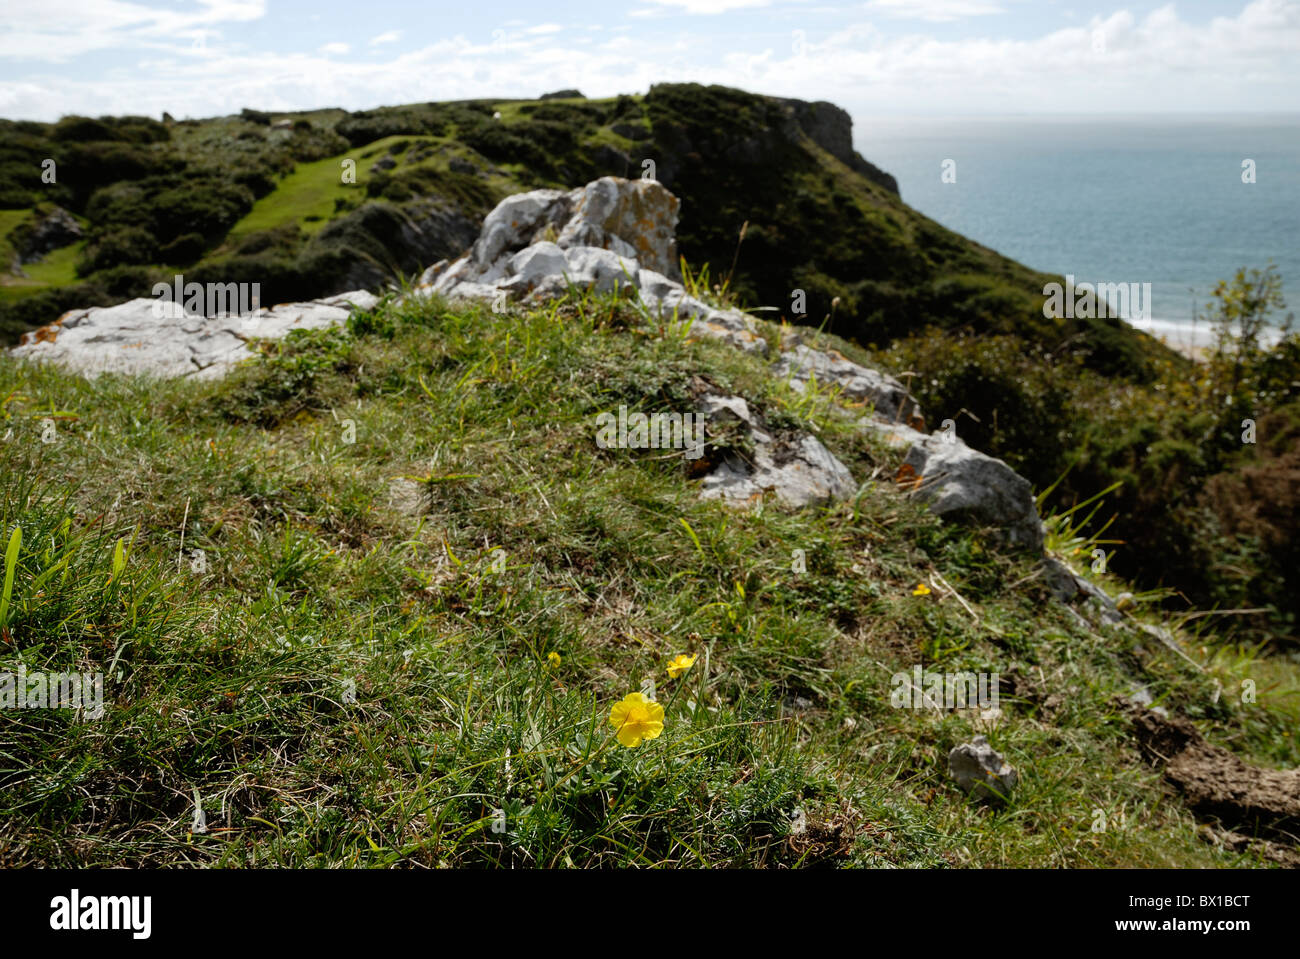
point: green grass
(379, 563)
(8, 220)
(56, 268)
(306, 196)
(511, 113)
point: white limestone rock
(1068, 587)
(142, 336)
(965, 485)
(613, 234)
(980, 771)
(798, 470)
(889, 398)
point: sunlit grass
(272, 570)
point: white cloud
(709, 6)
(1157, 63)
(935, 11)
(544, 28)
(390, 36)
(335, 49)
(1153, 62)
(59, 30)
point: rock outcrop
(965, 485)
(796, 468)
(831, 128)
(35, 238)
(1068, 587)
(162, 339)
(612, 234)
(888, 398)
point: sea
(1163, 200)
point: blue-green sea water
(1156, 200)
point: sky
(199, 58)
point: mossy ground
(472, 529)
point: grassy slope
(8, 220)
(56, 268)
(374, 561)
(307, 195)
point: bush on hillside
(127, 129)
(87, 167)
(281, 240)
(1198, 509)
(281, 280)
(140, 130)
(183, 250)
(209, 207)
(126, 246)
(436, 119)
(170, 206)
(75, 129)
(464, 190)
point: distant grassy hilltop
(320, 202)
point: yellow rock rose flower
(679, 665)
(636, 718)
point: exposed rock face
(51, 232)
(633, 131)
(831, 128)
(636, 219)
(1069, 588)
(980, 771)
(965, 485)
(132, 338)
(421, 231)
(612, 234)
(797, 469)
(610, 212)
(896, 435)
(889, 398)
(611, 161)
(827, 125)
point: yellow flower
(553, 659)
(636, 718)
(921, 590)
(679, 665)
